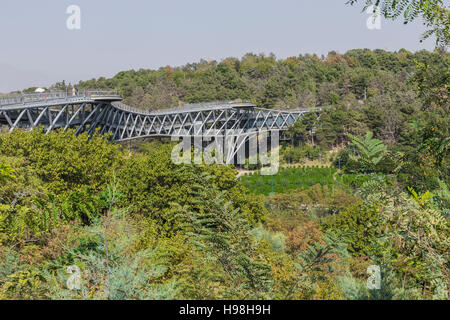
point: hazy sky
(37, 49)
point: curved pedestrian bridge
(103, 110)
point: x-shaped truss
(126, 124)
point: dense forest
(363, 182)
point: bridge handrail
(53, 95)
(183, 108)
(126, 107)
(102, 93)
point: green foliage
(370, 151)
(153, 184)
(434, 145)
(164, 231)
(442, 198)
(289, 179)
(128, 275)
(433, 84)
(226, 237)
(423, 199)
(276, 240)
(362, 225)
(291, 154)
(23, 285)
(316, 263)
(6, 173)
(62, 160)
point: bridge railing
(102, 93)
(191, 107)
(126, 107)
(31, 97)
(54, 95)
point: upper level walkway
(11, 102)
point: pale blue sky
(37, 49)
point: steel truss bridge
(103, 111)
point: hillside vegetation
(137, 226)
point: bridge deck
(57, 97)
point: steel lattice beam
(124, 123)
